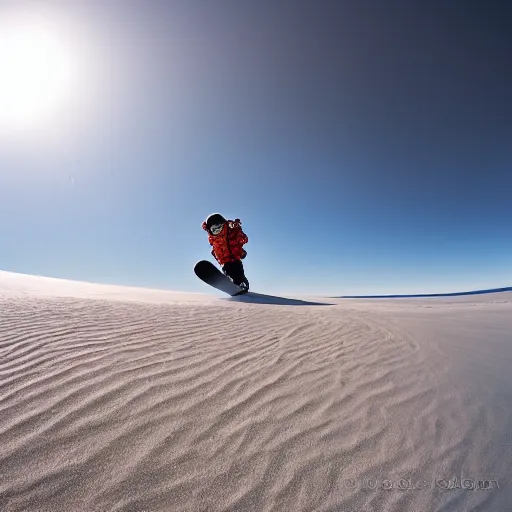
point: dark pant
(235, 270)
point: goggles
(216, 229)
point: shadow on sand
(259, 298)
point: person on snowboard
(227, 239)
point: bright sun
(37, 73)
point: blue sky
(366, 146)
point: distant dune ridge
(451, 294)
(125, 399)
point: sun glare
(36, 73)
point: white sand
(118, 399)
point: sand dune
(119, 399)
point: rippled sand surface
(118, 399)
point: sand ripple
(230, 406)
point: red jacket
(227, 245)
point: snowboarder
(227, 239)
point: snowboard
(210, 274)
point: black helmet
(214, 218)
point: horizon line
(447, 294)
